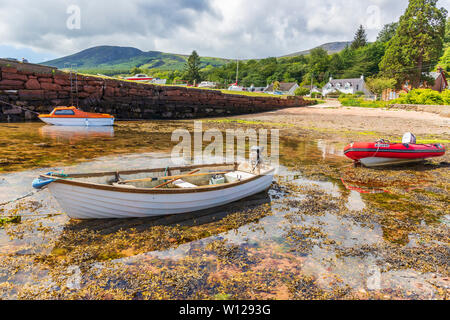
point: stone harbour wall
(39, 89)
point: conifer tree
(360, 38)
(417, 44)
(193, 68)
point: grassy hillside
(111, 60)
(332, 47)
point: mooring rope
(20, 107)
(29, 194)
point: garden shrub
(424, 97)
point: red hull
(360, 150)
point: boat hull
(383, 153)
(377, 161)
(77, 122)
(84, 202)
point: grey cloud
(232, 28)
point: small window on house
(64, 113)
(357, 87)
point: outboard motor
(256, 156)
(409, 138)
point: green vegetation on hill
(111, 60)
(318, 66)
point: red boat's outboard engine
(409, 138)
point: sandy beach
(332, 115)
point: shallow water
(309, 237)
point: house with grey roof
(285, 88)
(348, 86)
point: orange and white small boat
(71, 116)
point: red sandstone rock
(32, 84)
(91, 89)
(48, 80)
(14, 76)
(109, 91)
(11, 84)
(95, 83)
(50, 86)
(9, 70)
(31, 94)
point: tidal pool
(325, 230)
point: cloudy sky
(47, 29)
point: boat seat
(238, 176)
(183, 184)
(123, 186)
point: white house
(349, 86)
(207, 84)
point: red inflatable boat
(372, 154)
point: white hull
(90, 203)
(376, 161)
(89, 122)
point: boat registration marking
(382, 145)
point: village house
(287, 88)
(348, 86)
(439, 84)
(314, 89)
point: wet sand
(332, 116)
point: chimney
(331, 78)
(362, 77)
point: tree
(447, 34)
(276, 86)
(417, 43)
(301, 91)
(360, 38)
(378, 85)
(136, 70)
(387, 33)
(444, 62)
(318, 64)
(192, 68)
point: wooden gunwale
(130, 172)
(153, 191)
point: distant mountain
(331, 48)
(115, 60)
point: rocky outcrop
(39, 89)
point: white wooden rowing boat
(105, 196)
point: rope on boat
(20, 107)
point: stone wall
(40, 89)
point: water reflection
(75, 134)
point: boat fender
(41, 182)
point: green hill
(112, 60)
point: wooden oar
(178, 177)
(173, 180)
